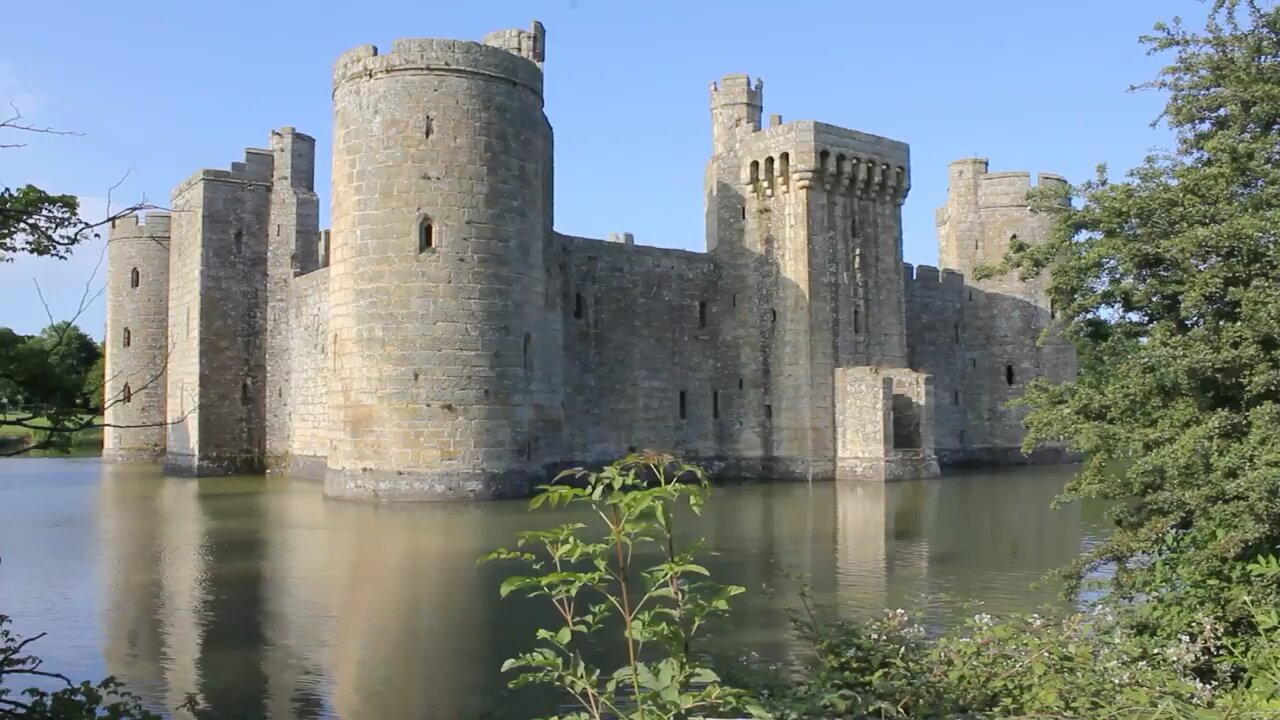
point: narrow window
(528, 449)
(128, 338)
(244, 393)
(127, 394)
(857, 320)
(961, 437)
(768, 411)
(973, 362)
(1008, 373)
(955, 397)
(734, 300)
(134, 278)
(426, 235)
(528, 362)
(773, 315)
(853, 226)
(715, 404)
(237, 242)
(970, 296)
(739, 383)
(744, 212)
(683, 407)
(955, 329)
(702, 314)
(579, 306)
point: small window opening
(134, 278)
(128, 338)
(426, 131)
(744, 212)
(684, 409)
(237, 242)
(426, 236)
(528, 449)
(280, 392)
(734, 300)
(853, 226)
(715, 404)
(773, 315)
(127, 394)
(579, 306)
(768, 410)
(970, 296)
(961, 437)
(702, 314)
(955, 397)
(955, 329)
(739, 383)
(973, 362)
(244, 393)
(1008, 373)
(857, 320)
(528, 361)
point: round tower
(441, 380)
(136, 343)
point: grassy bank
(85, 442)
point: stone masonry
(441, 341)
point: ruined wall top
(256, 168)
(530, 44)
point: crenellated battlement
(447, 57)
(154, 224)
(930, 279)
(994, 189)
(864, 177)
(737, 89)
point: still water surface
(269, 601)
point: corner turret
(736, 106)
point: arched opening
(127, 338)
(426, 235)
(768, 171)
(1008, 373)
(528, 359)
(237, 242)
(579, 306)
(134, 278)
(755, 175)
(824, 161)
(702, 314)
(784, 167)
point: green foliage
(1170, 283)
(53, 377)
(70, 701)
(1078, 665)
(35, 222)
(589, 573)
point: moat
(272, 602)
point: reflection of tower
(882, 552)
(151, 537)
(409, 638)
(129, 515)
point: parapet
(927, 279)
(155, 224)
(439, 56)
(529, 44)
(737, 90)
(256, 169)
(623, 238)
(998, 189)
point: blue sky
(159, 90)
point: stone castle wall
(441, 341)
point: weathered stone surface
(441, 341)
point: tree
(1170, 282)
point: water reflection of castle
(260, 597)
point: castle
(441, 340)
